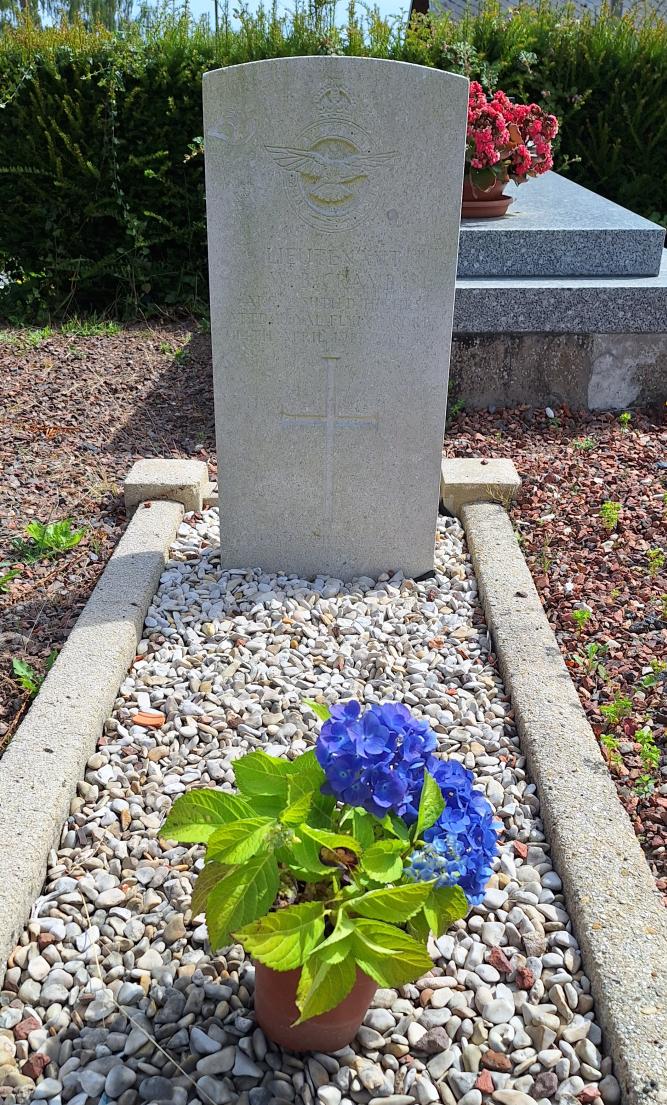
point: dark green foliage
(100, 134)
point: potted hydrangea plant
(505, 141)
(333, 868)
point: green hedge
(100, 136)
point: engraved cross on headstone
(331, 420)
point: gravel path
(113, 994)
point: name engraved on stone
(331, 420)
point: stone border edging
(47, 756)
(177, 479)
(617, 912)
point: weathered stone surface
(469, 480)
(179, 481)
(589, 371)
(333, 190)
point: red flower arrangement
(506, 141)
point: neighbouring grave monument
(333, 200)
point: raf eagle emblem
(332, 171)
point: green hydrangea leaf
(321, 811)
(394, 825)
(431, 805)
(361, 825)
(323, 984)
(283, 940)
(323, 712)
(302, 856)
(419, 927)
(196, 816)
(242, 896)
(397, 903)
(313, 850)
(298, 808)
(259, 774)
(306, 766)
(303, 789)
(388, 955)
(334, 840)
(237, 842)
(383, 860)
(444, 906)
(207, 879)
(338, 945)
(267, 805)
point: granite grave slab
(554, 227)
(333, 203)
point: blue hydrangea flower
(377, 759)
(462, 844)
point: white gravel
(113, 994)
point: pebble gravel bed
(113, 994)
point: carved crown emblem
(335, 99)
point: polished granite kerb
(555, 227)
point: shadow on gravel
(175, 417)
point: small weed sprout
(90, 328)
(455, 403)
(617, 710)
(610, 744)
(7, 577)
(585, 444)
(650, 759)
(624, 420)
(27, 677)
(47, 540)
(656, 561)
(545, 558)
(591, 660)
(614, 593)
(610, 513)
(580, 618)
(656, 675)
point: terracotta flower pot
(276, 1011)
(483, 205)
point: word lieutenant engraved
(331, 420)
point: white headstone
(333, 201)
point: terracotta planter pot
(483, 205)
(275, 1010)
